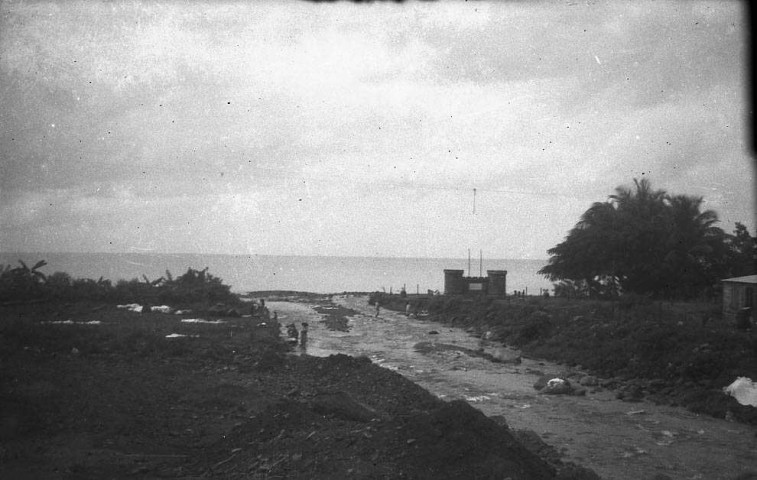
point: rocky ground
(92, 391)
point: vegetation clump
(24, 284)
(647, 242)
(682, 352)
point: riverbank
(88, 390)
(669, 354)
(619, 440)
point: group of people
(259, 309)
(296, 336)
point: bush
(22, 283)
(194, 287)
(537, 326)
(58, 284)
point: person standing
(304, 335)
(294, 335)
(407, 309)
(378, 308)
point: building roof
(746, 279)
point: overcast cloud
(344, 129)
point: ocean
(246, 273)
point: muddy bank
(671, 354)
(91, 391)
(617, 439)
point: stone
(557, 386)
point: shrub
(22, 283)
(538, 326)
(195, 286)
(58, 284)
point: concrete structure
(495, 284)
(453, 282)
(738, 293)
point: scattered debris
(635, 453)
(132, 307)
(71, 322)
(477, 398)
(554, 386)
(161, 309)
(200, 320)
(557, 386)
(744, 390)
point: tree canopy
(645, 241)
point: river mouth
(617, 439)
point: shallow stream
(616, 439)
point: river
(616, 439)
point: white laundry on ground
(744, 390)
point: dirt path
(618, 440)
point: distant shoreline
(271, 255)
(315, 274)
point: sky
(420, 129)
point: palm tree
(589, 252)
(641, 222)
(643, 241)
(689, 245)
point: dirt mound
(299, 439)
(121, 400)
(348, 417)
(458, 441)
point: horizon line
(253, 255)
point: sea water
(321, 274)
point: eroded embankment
(669, 354)
(618, 440)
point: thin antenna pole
(469, 262)
(480, 263)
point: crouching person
(293, 334)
